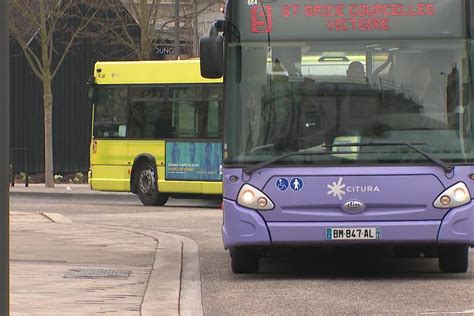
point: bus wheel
(148, 188)
(244, 260)
(454, 259)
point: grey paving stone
(42, 252)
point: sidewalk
(71, 192)
(82, 192)
(63, 268)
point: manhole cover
(96, 273)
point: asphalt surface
(304, 283)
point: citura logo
(339, 189)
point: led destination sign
(330, 19)
(359, 10)
(363, 17)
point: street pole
(176, 29)
(196, 31)
(4, 160)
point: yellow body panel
(110, 178)
(212, 187)
(150, 72)
(112, 159)
(109, 171)
(109, 165)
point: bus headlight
(253, 198)
(454, 196)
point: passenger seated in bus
(356, 72)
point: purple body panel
(386, 199)
(392, 232)
(458, 226)
(243, 227)
(398, 200)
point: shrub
(58, 178)
(79, 178)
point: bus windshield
(311, 77)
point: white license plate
(353, 233)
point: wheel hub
(147, 181)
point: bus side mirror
(211, 51)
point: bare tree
(156, 21)
(46, 30)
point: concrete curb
(190, 298)
(66, 196)
(174, 285)
(189, 276)
(162, 293)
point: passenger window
(110, 117)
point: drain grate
(96, 273)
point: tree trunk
(48, 132)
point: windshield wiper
(447, 167)
(252, 169)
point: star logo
(337, 189)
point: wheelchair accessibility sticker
(282, 184)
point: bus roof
(150, 72)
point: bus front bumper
(245, 227)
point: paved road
(304, 283)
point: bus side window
(214, 112)
(213, 118)
(110, 112)
(136, 121)
(185, 103)
(162, 121)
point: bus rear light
(454, 196)
(253, 198)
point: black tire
(147, 187)
(454, 259)
(244, 260)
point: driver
(356, 72)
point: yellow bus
(157, 130)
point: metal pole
(26, 166)
(4, 160)
(176, 29)
(196, 31)
(12, 168)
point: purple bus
(347, 124)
